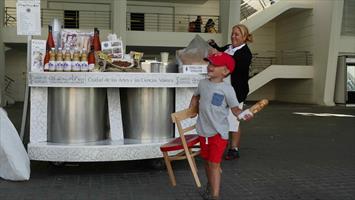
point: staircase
(280, 72)
(8, 90)
(277, 64)
(266, 12)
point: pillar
(327, 27)
(118, 19)
(229, 16)
(2, 55)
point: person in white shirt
(242, 56)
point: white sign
(104, 79)
(38, 51)
(28, 17)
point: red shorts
(212, 148)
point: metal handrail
(167, 22)
(99, 19)
(263, 59)
(8, 83)
(251, 7)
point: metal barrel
(76, 115)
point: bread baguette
(259, 106)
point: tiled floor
(283, 156)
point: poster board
(28, 15)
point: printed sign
(38, 51)
(28, 17)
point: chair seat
(176, 144)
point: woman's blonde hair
(245, 32)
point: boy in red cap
(214, 97)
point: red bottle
(50, 41)
(45, 62)
(50, 44)
(96, 41)
(91, 58)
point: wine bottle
(96, 41)
(91, 58)
(49, 45)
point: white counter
(116, 147)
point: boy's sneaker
(232, 154)
(210, 197)
(205, 191)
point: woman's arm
(213, 44)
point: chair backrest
(179, 116)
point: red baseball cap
(221, 59)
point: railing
(165, 22)
(10, 17)
(87, 18)
(8, 87)
(251, 7)
(262, 60)
(148, 22)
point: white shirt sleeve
(231, 97)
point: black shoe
(232, 154)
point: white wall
(264, 38)
(264, 45)
(16, 69)
(347, 45)
(265, 92)
(10, 3)
(89, 5)
(295, 33)
(209, 7)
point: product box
(38, 51)
(113, 48)
(193, 69)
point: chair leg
(193, 160)
(193, 170)
(169, 168)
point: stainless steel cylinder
(76, 115)
(146, 113)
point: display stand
(116, 147)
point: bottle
(59, 62)
(91, 58)
(50, 41)
(67, 60)
(49, 46)
(52, 62)
(76, 61)
(46, 62)
(84, 67)
(96, 41)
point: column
(118, 19)
(229, 16)
(327, 27)
(2, 55)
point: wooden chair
(185, 145)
